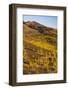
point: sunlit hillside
(40, 48)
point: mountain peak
(40, 28)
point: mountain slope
(41, 28)
(40, 48)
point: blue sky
(50, 21)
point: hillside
(40, 48)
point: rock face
(40, 48)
